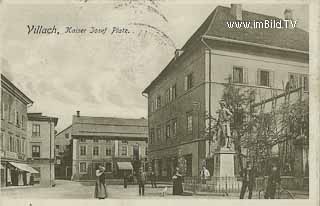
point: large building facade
(191, 85)
(13, 139)
(40, 153)
(118, 144)
(63, 154)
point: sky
(101, 75)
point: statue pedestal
(224, 163)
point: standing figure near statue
(100, 191)
(248, 180)
(224, 117)
(177, 183)
(141, 181)
(204, 174)
(273, 181)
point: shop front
(16, 174)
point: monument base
(224, 163)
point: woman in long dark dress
(100, 188)
(177, 183)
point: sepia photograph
(152, 99)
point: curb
(17, 187)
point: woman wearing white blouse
(100, 188)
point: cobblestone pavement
(77, 190)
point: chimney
(288, 14)
(178, 53)
(78, 113)
(236, 11)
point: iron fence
(222, 185)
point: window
(83, 150)
(168, 96)
(2, 110)
(108, 167)
(158, 135)
(35, 151)
(164, 134)
(95, 151)
(294, 81)
(151, 135)
(83, 167)
(124, 141)
(238, 75)
(36, 130)
(23, 119)
(66, 135)
(174, 128)
(298, 80)
(108, 141)
(11, 144)
(158, 102)
(188, 81)
(95, 140)
(57, 147)
(151, 106)
(305, 83)
(37, 175)
(146, 151)
(23, 146)
(17, 119)
(108, 151)
(82, 140)
(168, 130)
(189, 122)
(171, 93)
(124, 150)
(18, 146)
(9, 112)
(174, 91)
(1, 141)
(265, 78)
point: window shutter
(186, 83)
(232, 74)
(300, 81)
(271, 78)
(245, 75)
(258, 77)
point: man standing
(125, 179)
(248, 178)
(152, 178)
(204, 174)
(141, 181)
(273, 182)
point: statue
(224, 132)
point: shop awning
(24, 167)
(125, 166)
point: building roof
(64, 130)
(40, 117)
(6, 83)
(118, 128)
(293, 39)
(215, 28)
